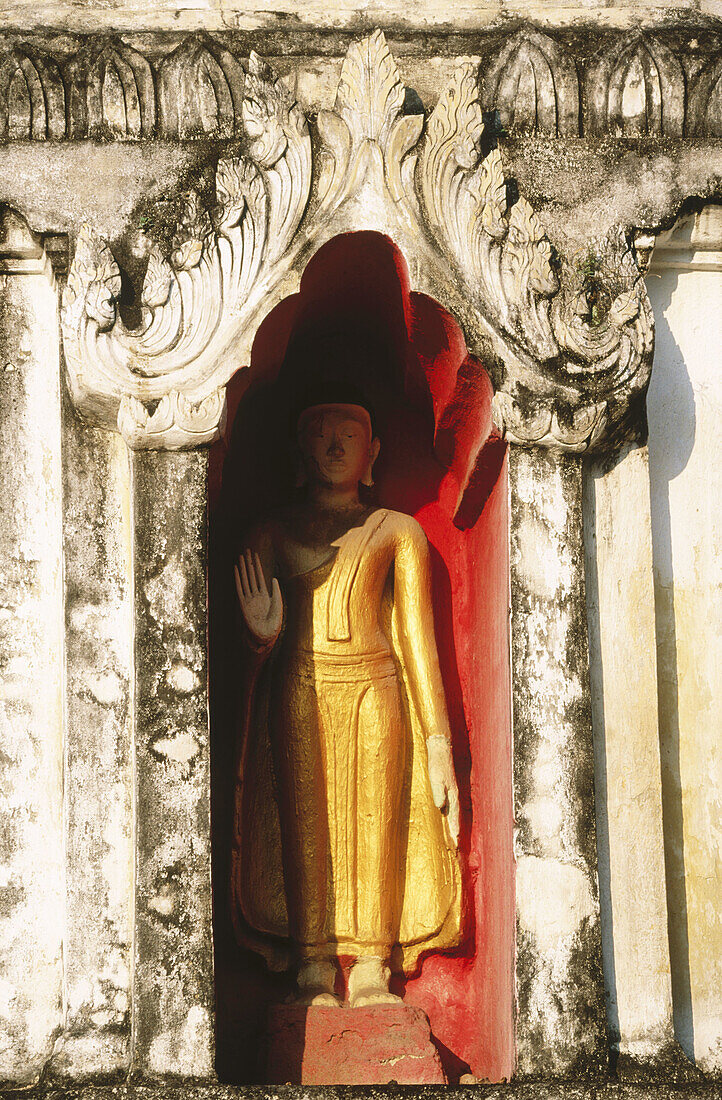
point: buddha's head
(337, 445)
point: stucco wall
(580, 186)
(358, 15)
(685, 407)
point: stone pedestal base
(350, 1046)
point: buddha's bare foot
(368, 984)
(366, 1000)
(316, 981)
(322, 1000)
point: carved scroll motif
(571, 364)
(163, 384)
(574, 337)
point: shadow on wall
(601, 805)
(669, 453)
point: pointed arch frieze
(635, 85)
(704, 116)
(636, 88)
(200, 90)
(32, 97)
(534, 84)
(112, 93)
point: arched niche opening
(441, 463)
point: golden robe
(339, 848)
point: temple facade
(509, 219)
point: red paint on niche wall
(441, 462)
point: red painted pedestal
(350, 1046)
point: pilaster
(99, 759)
(622, 640)
(173, 983)
(560, 988)
(31, 657)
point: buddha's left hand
(443, 781)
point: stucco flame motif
(570, 365)
(575, 344)
(162, 385)
(367, 128)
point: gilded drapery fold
(330, 713)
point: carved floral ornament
(571, 365)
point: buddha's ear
(301, 476)
(368, 478)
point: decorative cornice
(574, 337)
(693, 244)
(137, 87)
(23, 252)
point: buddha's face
(337, 447)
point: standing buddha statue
(347, 810)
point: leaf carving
(550, 348)
(158, 279)
(93, 283)
(370, 93)
(457, 118)
(625, 307)
(571, 360)
(163, 385)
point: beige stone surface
(559, 986)
(31, 661)
(99, 780)
(355, 15)
(685, 446)
(628, 778)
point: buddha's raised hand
(262, 610)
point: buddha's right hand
(262, 610)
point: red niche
(442, 463)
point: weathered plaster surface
(527, 1090)
(65, 185)
(685, 411)
(560, 1026)
(173, 984)
(353, 14)
(581, 189)
(628, 776)
(31, 659)
(99, 775)
(581, 186)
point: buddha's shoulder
(266, 528)
(404, 526)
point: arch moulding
(569, 348)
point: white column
(31, 658)
(173, 986)
(560, 989)
(99, 775)
(685, 450)
(628, 775)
